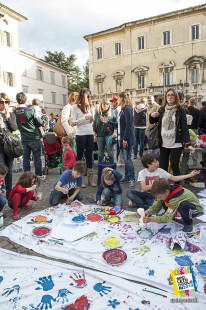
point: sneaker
(42, 177)
(131, 204)
(119, 165)
(123, 180)
(188, 228)
(131, 183)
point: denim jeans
(129, 166)
(140, 137)
(102, 142)
(140, 199)
(56, 196)
(35, 147)
(2, 202)
(108, 194)
(85, 143)
(4, 159)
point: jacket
(101, 129)
(8, 125)
(115, 187)
(69, 159)
(202, 120)
(195, 115)
(181, 129)
(139, 119)
(177, 195)
(154, 108)
(27, 124)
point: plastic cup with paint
(39, 196)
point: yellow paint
(174, 284)
(112, 218)
(112, 242)
(40, 218)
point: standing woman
(7, 124)
(127, 137)
(82, 118)
(66, 114)
(103, 131)
(172, 131)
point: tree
(85, 82)
(75, 77)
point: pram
(53, 151)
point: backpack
(12, 145)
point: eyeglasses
(170, 95)
(4, 102)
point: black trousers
(188, 211)
(173, 155)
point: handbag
(59, 128)
(13, 147)
(153, 139)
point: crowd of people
(121, 132)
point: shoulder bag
(153, 139)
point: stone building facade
(147, 56)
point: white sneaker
(42, 177)
(131, 204)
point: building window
(24, 73)
(99, 87)
(195, 32)
(99, 53)
(53, 98)
(7, 39)
(53, 78)
(119, 85)
(63, 81)
(166, 78)
(64, 99)
(141, 81)
(195, 75)
(39, 74)
(41, 91)
(25, 89)
(140, 43)
(166, 37)
(118, 50)
(9, 78)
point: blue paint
(1, 279)
(113, 303)
(62, 295)
(79, 218)
(170, 280)
(8, 291)
(46, 283)
(145, 302)
(101, 289)
(165, 230)
(151, 272)
(45, 302)
(184, 260)
(202, 269)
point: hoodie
(139, 120)
(177, 195)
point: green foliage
(76, 78)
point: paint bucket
(1, 221)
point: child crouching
(174, 198)
(22, 192)
(110, 187)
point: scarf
(168, 123)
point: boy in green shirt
(174, 198)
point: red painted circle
(41, 231)
(94, 217)
(114, 257)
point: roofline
(20, 18)
(41, 60)
(145, 20)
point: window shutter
(2, 37)
(5, 77)
(11, 40)
(13, 80)
(42, 75)
(37, 74)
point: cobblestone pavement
(45, 188)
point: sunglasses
(4, 102)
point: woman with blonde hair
(103, 131)
(173, 132)
(7, 124)
(126, 135)
(66, 114)
(82, 119)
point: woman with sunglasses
(172, 131)
(7, 124)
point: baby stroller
(53, 151)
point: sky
(55, 25)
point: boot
(83, 184)
(90, 177)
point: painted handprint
(79, 280)
(142, 251)
(46, 283)
(14, 302)
(1, 279)
(91, 236)
(81, 303)
(9, 291)
(46, 302)
(62, 295)
(101, 289)
(113, 303)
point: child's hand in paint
(65, 191)
(99, 202)
(194, 172)
(69, 200)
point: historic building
(20, 71)
(147, 56)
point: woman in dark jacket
(127, 137)
(173, 131)
(7, 124)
